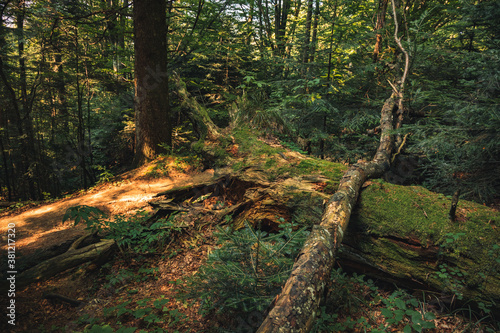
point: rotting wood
(166, 205)
(98, 252)
(29, 260)
(243, 183)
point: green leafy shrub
(147, 310)
(108, 329)
(125, 276)
(400, 308)
(352, 295)
(104, 175)
(347, 297)
(131, 233)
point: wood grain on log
(71, 258)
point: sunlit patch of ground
(42, 227)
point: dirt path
(42, 227)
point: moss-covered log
(397, 234)
(402, 234)
(198, 115)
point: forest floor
(134, 291)
(41, 227)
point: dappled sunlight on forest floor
(43, 226)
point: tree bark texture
(295, 308)
(379, 25)
(152, 110)
(73, 257)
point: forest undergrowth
(192, 271)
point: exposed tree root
(61, 298)
(74, 256)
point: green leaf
(429, 316)
(399, 315)
(100, 329)
(400, 304)
(413, 302)
(159, 303)
(416, 318)
(121, 310)
(139, 313)
(428, 324)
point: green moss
(331, 187)
(198, 146)
(270, 163)
(416, 212)
(411, 211)
(306, 207)
(238, 165)
(469, 244)
(313, 166)
(248, 142)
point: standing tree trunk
(8, 115)
(152, 109)
(294, 310)
(330, 53)
(314, 41)
(29, 156)
(265, 24)
(293, 28)
(379, 25)
(60, 104)
(80, 131)
(114, 35)
(280, 22)
(6, 173)
(307, 37)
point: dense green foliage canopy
(313, 72)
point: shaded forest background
(314, 73)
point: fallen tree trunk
(27, 261)
(441, 279)
(397, 234)
(295, 308)
(73, 257)
(402, 235)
